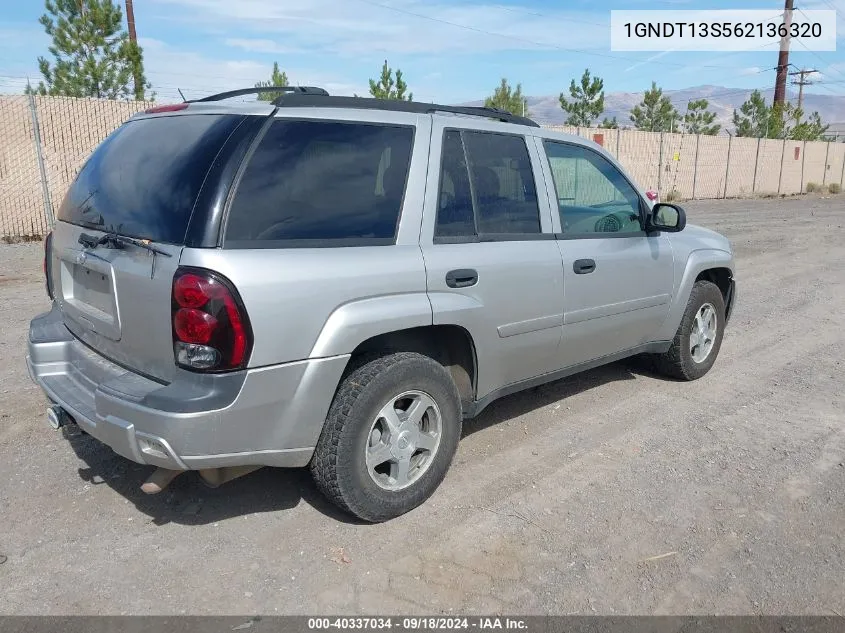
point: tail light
(48, 254)
(211, 331)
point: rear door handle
(461, 278)
(583, 266)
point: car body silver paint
(309, 308)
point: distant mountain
(547, 111)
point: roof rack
(313, 97)
(320, 100)
(302, 90)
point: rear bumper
(269, 416)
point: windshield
(143, 180)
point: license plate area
(93, 289)
(87, 295)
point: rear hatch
(143, 183)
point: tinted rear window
(317, 182)
(143, 180)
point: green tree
(753, 117)
(507, 99)
(699, 120)
(811, 129)
(388, 88)
(278, 79)
(757, 119)
(609, 124)
(587, 100)
(655, 113)
(92, 54)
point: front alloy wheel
(703, 333)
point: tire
(356, 431)
(680, 360)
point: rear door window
(486, 187)
(144, 179)
(322, 183)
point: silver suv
(338, 282)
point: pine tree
(811, 129)
(278, 79)
(655, 113)
(507, 99)
(92, 54)
(388, 88)
(753, 118)
(699, 120)
(587, 101)
(609, 124)
(756, 119)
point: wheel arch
(450, 345)
(705, 264)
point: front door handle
(461, 278)
(583, 266)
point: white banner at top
(722, 30)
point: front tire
(390, 435)
(699, 336)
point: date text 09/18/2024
(418, 623)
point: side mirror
(667, 217)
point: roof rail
(319, 100)
(301, 90)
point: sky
(450, 51)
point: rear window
(143, 180)
(318, 183)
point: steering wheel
(608, 224)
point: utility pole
(801, 83)
(783, 56)
(133, 37)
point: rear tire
(389, 437)
(699, 336)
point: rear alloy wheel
(699, 336)
(389, 437)
(403, 440)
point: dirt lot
(612, 492)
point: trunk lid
(142, 183)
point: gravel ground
(612, 492)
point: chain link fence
(45, 140)
(688, 166)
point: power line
(802, 82)
(819, 57)
(545, 15)
(833, 7)
(524, 40)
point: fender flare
(697, 262)
(352, 323)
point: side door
(492, 262)
(618, 280)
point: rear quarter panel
(320, 302)
(293, 295)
